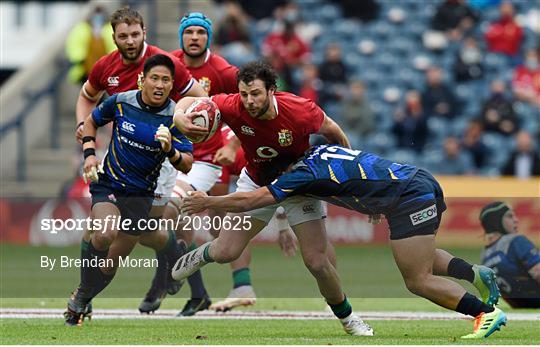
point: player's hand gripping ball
(163, 135)
(209, 117)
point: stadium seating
(392, 65)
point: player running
(143, 137)
(121, 71)
(274, 129)
(413, 203)
(216, 76)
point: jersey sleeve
(290, 183)
(105, 112)
(183, 81)
(180, 141)
(315, 117)
(527, 254)
(95, 75)
(227, 104)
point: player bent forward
(143, 137)
(412, 201)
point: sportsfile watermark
(184, 223)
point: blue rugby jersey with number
(512, 256)
(348, 178)
(134, 157)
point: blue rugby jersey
(512, 256)
(348, 178)
(134, 157)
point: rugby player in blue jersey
(514, 258)
(412, 202)
(122, 187)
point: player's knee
(103, 240)
(316, 263)
(415, 284)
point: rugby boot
(77, 309)
(355, 326)
(484, 281)
(241, 296)
(189, 263)
(193, 306)
(158, 291)
(486, 324)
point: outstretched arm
(197, 202)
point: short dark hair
(126, 15)
(258, 70)
(158, 60)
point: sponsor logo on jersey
(424, 215)
(308, 208)
(247, 130)
(267, 152)
(129, 127)
(139, 80)
(205, 84)
(113, 81)
(285, 137)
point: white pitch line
(170, 314)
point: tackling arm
(333, 133)
(235, 202)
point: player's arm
(196, 90)
(535, 272)
(183, 121)
(91, 164)
(528, 255)
(197, 202)
(333, 132)
(177, 148)
(226, 155)
(87, 101)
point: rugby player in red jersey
(273, 128)
(120, 71)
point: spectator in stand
(468, 65)
(356, 113)
(311, 84)
(285, 51)
(88, 41)
(364, 10)
(472, 143)
(410, 125)
(453, 160)
(505, 35)
(438, 99)
(455, 18)
(498, 111)
(333, 74)
(232, 37)
(525, 161)
(526, 81)
(333, 69)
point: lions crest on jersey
(205, 84)
(285, 137)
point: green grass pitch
(369, 276)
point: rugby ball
(209, 117)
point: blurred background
(449, 85)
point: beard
(264, 108)
(130, 56)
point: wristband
(88, 152)
(86, 139)
(177, 161)
(79, 125)
(172, 152)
